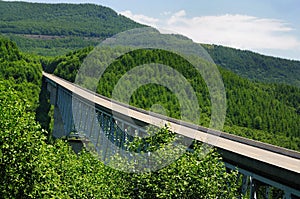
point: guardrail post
(287, 195)
(252, 189)
(244, 184)
(268, 192)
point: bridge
(258, 164)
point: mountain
(62, 19)
(57, 28)
(255, 66)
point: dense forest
(51, 46)
(52, 29)
(33, 166)
(260, 111)
(88, 20)
(21, 71)
(255, 66)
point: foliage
(271, 108)
(22, 71)
(279, 139)
(52, 45)
(19, 144)
(196, 174)
(53, 29)
(255, 66)
(148, 95)
(67, 66)
(54, 19)
(191, 176)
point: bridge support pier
(58, 129)
(62, 101)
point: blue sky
(270, 27)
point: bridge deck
(280, 163)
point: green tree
(258, 122)
(20, 139)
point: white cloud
(239, 31)
(181, 13)
(166, 13)
(141, 18)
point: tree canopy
(53, 29)
(256, 67)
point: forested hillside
(62, 19)
(255, 66)
(260, 111)
(20, 71)
(52, 28)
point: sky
(270, 27)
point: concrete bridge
(258, 163)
